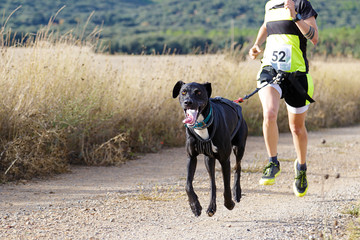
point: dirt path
(145, 199)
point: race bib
(280, 57)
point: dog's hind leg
(239, 152)
(210, 166)
(193, 198)
(226, 171)
(239, 149)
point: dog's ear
(177, 88)
(207, 86)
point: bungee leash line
(277, 80)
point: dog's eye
(198, 92)
(183, 92)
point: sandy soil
(145, 198)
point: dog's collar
(204, 124)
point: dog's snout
(188, 102)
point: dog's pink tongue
(190, 117)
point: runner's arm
(260, 39)
(307, 27)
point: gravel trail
(145, 198)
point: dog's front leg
(210, 166)
(193, 198)
(226, 168)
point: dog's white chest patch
(203, 133)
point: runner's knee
(270, 116)
(297, 129)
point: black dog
(214, 126)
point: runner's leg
(299, 133)
(270, 100)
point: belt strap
(298, 86)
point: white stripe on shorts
(291, 109)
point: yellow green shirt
(285, 45)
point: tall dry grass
(56, 106)
(336, 92)
(62, 103)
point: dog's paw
(211, 210)
(230, 205)
(196, 208)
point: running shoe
(270, 172)
(300, 184)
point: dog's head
(193, 99)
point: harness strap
(299, 87)
(291, 76)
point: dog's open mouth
(190, 116)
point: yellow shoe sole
(297, 193)
(264, 181)
(294, 187)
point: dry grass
(62, 103)
(354, 226)
(336, 87)
(56, 107)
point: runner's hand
(289, 4)
(254, 51)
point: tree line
(181, 26)
(333, 42)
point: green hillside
(143, 25)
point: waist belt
(291, 76)
(298, 86)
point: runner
(287, 27)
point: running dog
(214, 127)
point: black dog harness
(203, 146)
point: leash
(277, 80)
